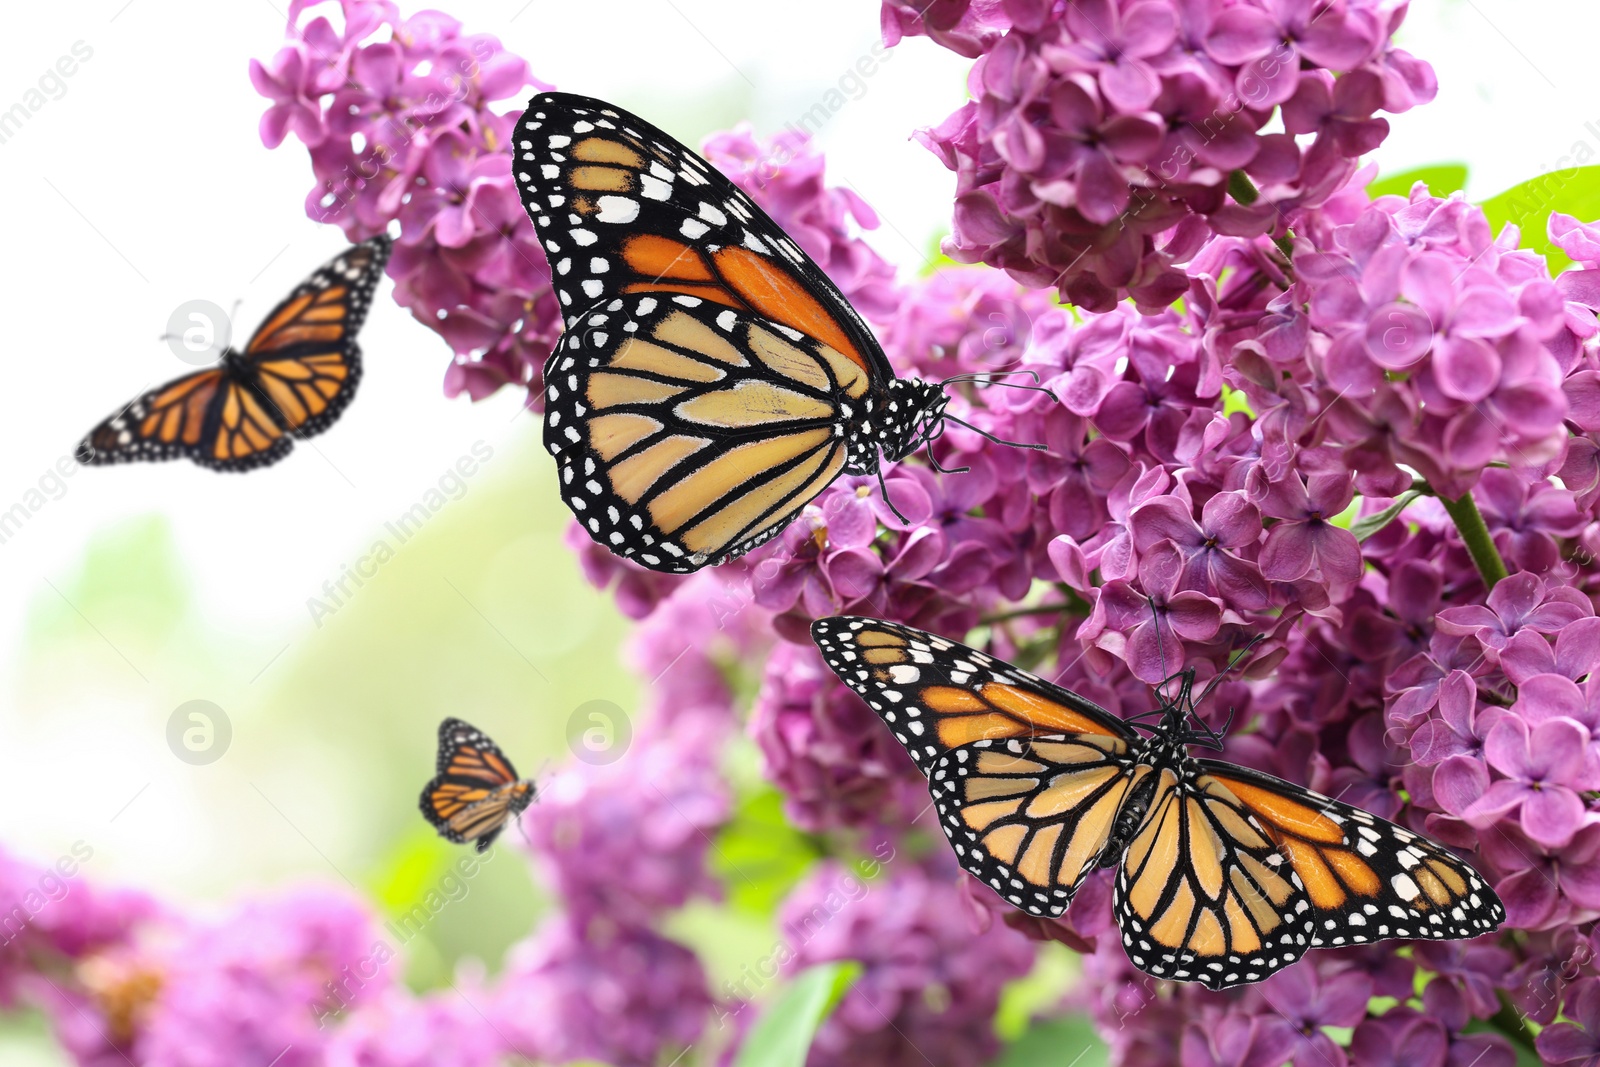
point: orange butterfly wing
(625, 209)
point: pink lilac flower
(1305, 1002)
(1520, 602)
(1545, 886)
(827, 751)
(1306, 540)
(1400, 1038)
(928, 988)
(1223, 1039)
(267, 980)
(968, 27)
(628, 840)
(1108, 141)
(438, 1030)
(407, 129)
(1576, 1042)
(52, 912)
(596, 990)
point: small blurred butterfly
(476, 791)
(292, 380)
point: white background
(146, 185)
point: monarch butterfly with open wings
(292, 380)
(476, 790)
(1224, 875)
(711, 380)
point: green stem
(1469, 523)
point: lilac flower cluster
(1212, 463)
(1108, 140)
(929, 984)
(308, 979)
(1369, 437)
(399, 118)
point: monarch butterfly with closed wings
(711, 380)
(292, 380)
(476, 790)
(1224, 875)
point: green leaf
(1055, 967)
(1442, 179)
(936, 259)
(1368, 525)
(1574, 191)
(759, 857)
(782, 1036)
(1064, 1041)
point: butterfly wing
(1203, 895)
(937, 695)
(624, 209)
(1367, 879)
(687, 433)
(165, 423)
(1027, 777)
(476, 789)
(304, 357)
(1030, 817)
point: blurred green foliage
(1442, 179)
(1573, 191)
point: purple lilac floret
(1107, 141)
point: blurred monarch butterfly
(292, 380)
(1225, 875)
(711, 380)
(476, 790)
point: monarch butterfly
(293, 379)
(476, 790)
(1225, 875)
(711, 380)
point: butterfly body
(1224, 875)
(711, 380)
(292, 380)
(476, 790)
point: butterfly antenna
(1161, 651)
(993, 378)
(882, 487)
(997, 440)
(1232, 664)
